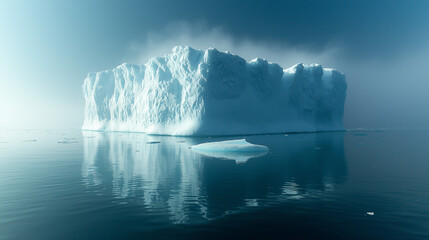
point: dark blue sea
(69, 184)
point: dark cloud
(367, 28)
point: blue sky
(48, 47)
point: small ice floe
(286, 135)
(153, 142)
(318, 148)
(238, 150)
(370, 213)
(240, 145)
(252, 202)
(67, 140)
(29, 140)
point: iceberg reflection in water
(238, 157)
(171, 179)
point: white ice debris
(209, 92)
(370, 213)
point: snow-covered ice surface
(209, 92)
(238, 150)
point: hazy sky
(48, 47)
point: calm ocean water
(69, 184)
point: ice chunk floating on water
(240, 145)
(209, 92)
(238, 150)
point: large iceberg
(210, 92)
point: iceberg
(210, 92)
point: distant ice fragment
(30, 140)
(251, 202)
(67, 141)
(153, 142)
(240, 145)
(370, 213)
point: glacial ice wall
(209, 92)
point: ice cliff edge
(209, 92)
